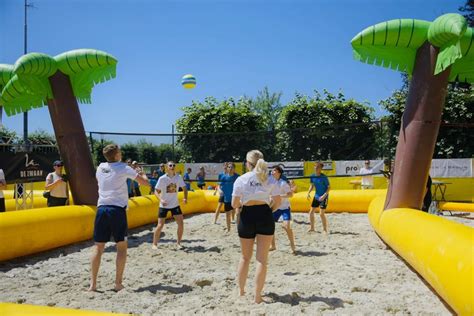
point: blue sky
(233, 47)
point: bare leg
(246, 246)
(120, 264)
(218, 209)
(180, 222)
(227, 220)
(273, 246)
(311, 220)
(233, 214)
(322, 214)
(157, 233)
(291, 236)
(263, 246)
(97, 252)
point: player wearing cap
(56, 184)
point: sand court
(350, 271)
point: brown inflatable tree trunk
(418, 132)
(72, 141)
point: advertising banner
(290, 168)
(451, 168)
(352, 168)
(26, 167)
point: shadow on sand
(294, 299)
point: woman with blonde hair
(258, 196)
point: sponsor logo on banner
(212, 169)
(27, 167)
(352, 168)
(451, 168)
(291, 168)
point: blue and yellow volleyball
(188, 81)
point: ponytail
(261, 169)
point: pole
(25, 114)
(172, 139)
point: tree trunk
(418, 132)
(72, 141)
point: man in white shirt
(367, 181)
(111, 217)
(3, 186)
(166, 190)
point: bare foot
(293, 252)
(311, 230)
(272, 249)
(258, 300)
(154, 247)
(92, 288)
(179, 246)
(118, 287)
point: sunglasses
(171, 165)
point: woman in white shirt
(258, 196)
(286, 191)
(57, 186)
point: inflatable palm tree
(432, 53)
(38, 79)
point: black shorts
(2, 205)
(256, 220)
(110, 220)
(163, 212)
(228, 206)
(201, 185)
(323, 204)
(221, 198)
(56, 201)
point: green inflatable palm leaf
(16, 98)
(391, 44)
(394, 44)
(26, 84)
(86, 68)
(6, 73)
(463, 68)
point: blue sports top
(321, 183)
(227, 185)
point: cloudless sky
(233, 47)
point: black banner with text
(26, 167)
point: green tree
(218, 131)
(326, 127)
(468, 10)
(455, 138)
(130, 151)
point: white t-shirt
(284, 190)
(60, 190)
(2, 178)
(169, 187)
(112, 179)
(249, 188)
(367, 180)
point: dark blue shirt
(321, 184)
(227, 186)
(153, 182)
(187, 180)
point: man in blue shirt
(227, 186)
(153, 181)
(320, 183)
(187, 179)
(218, 189)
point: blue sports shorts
(110, 220)
(279, 213)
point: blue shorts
(285, 213)
(110, 220)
